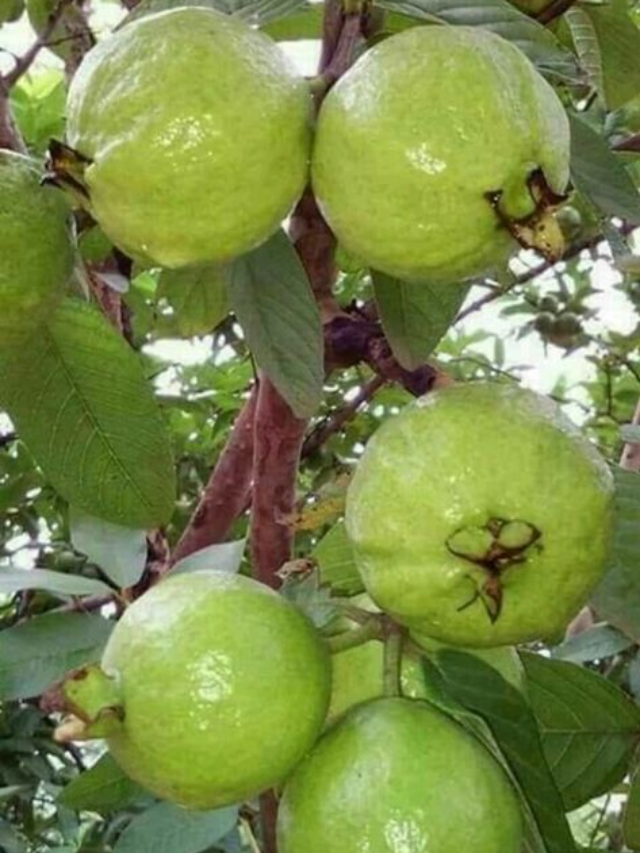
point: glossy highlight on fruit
(224, 684)
(36, 248)
(384, 780)
(471, 461)
(196, 133)
(429, 143)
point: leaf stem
(351, 639)
(393, 646)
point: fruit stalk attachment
(91, 701)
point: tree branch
(10, 137)
(632, 143)
(553, 11)
(335, 422)
(227, 494)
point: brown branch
(630, 459)
(278, 436)
(335, 422)
(553, 11)
(10, 137)
(632, 143)
(23, 63)
(227, 494)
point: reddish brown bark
(630, 458)
(278, 436)
(10, 137)
(227, 493)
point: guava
(480, 516)
(438, 146)
(10, 10)
(191, 132)
(71, 38)
(396, 775)
(36, 248)
(216, 687)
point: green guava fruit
(71, 37)
(396, 775)
(358, 672)
(193, 134)
(223, 686)
(10, 10)
(480, 516)
(36, 248)
(436, 140)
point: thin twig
(630, 459)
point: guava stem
(350, 639)
(393, 646)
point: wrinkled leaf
(37, 653)
(617, 598)
(272, 298)
(600, 176)
(416, 316)
(119, 551)
(589, 727)
(165, 828)
(223, 557)
(81, 404)
(103, 788)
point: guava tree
(253, 596)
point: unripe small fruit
(544, 322)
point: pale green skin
(396, 776)
(411, 139)
(36, 248)
(457, 458)
(199, 131)
(225, 687)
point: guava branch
(333, 424)
(228, 492)
(632, 143)
(554, 10)
(278, 436)
(23, 63)
(10, 137)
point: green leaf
(587, 45)
(56, 583)
(589, 727)
(600, 176)
(631, 825)
(9, 840)
(255, 12)
(272, 298)
(223, 557)
(38, 105)
(416, 316)
(618, 41)
(36, 654)
(336, 564)
(630, 433)
(617, 597)
(198, 297)
(478, 687)
(79, 400)
(103, 788)
(119, 551)
(499, 16)
(601, 641)
(165, 828)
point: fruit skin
(383, 780)
(411, 139)
(36, 248)
(184, 112)
(460, 457)
(210, 717)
